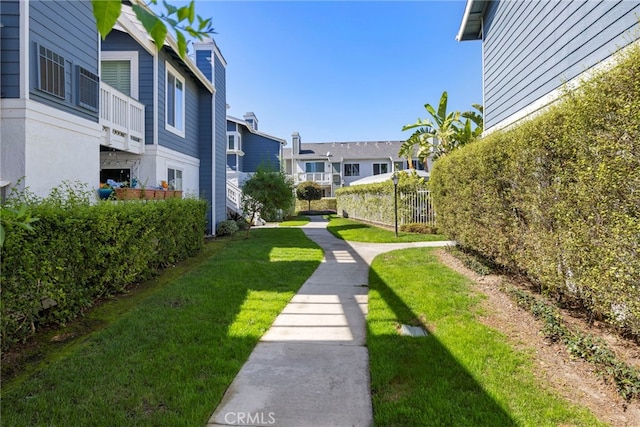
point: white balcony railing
(122, 119)
(319, 177)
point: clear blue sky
(343, 70)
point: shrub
(227, 228)
(81, 251)
(309, 191)
(325, 204)
(558, 196)
(419, 228)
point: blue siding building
(248, 148)
(531, 48)
(78, 109)
(49, 105)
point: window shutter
(117, 74)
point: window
(119, 69)
(232, 142)
(311, 167)
(117, 74)
(352, 169)
(174, 179)
(88, 89)
(174, 102)
(51, 73)
(380, 168)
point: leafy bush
(309, 191)
(374, 202)
(416, 227)
(81, 251)
(558, 197)
(325, 204)
(227, 228)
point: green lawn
(295, 221)
(167, 359)
(347, 229)
(463, 373)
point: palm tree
(436, 134)
(443, 132)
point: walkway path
(311, 368)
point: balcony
(122, 120)
(321, 178)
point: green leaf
(192, 11)
(442, 108)
(183, 13)
(106, 13)
(154, 26)
(2, 235)
(182, 44)
(171, 9)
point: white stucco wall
(47, 146)
(158, 159)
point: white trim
(546, 101)
(168, 68)
(465, 18)
(134, 31)
(159, 150)
(13, 108)
(24, 49)
(176, 168)
(132, 57)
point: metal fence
(416, 208)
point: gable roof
(252, 130)
(339, 151)
(471, 25)
(129, 23)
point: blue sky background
(343, 70)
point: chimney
(296, 143)
(252, 120)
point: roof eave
(469, 18)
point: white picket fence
(416, 208)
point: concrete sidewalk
(311, 368)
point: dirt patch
(573, 379)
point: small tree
(309, 190)
(266, 192)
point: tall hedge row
(82, 251)
(374, 202)
(558, 197)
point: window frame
(124, 55)
(89, 78)
(169, 69)
(306, 167)
(237, 138)
(351, 167)
(380, 165)
(175, 170)
(62, 62)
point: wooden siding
(259, 150)
(119, 41)
(531, 48)
(10, 49)
(220, 139)
(68, 28)
(189, 144)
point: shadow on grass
(417, 381)
(169, 359)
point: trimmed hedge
(80, 252)
(558, 197)
(324, 204)
(374, 202)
